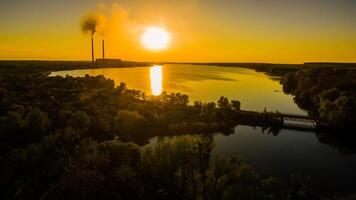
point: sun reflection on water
(156, 80)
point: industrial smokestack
(103, 44)
(89, 25)
(92, 49)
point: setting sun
(155, 38)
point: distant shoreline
(198, 63)
(268, 68)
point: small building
(100, 60)
(108, 62)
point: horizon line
(180, 62)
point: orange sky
(202, 31)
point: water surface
(255, 90)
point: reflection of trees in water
(344, 144)
(225, 130)
(271, 130)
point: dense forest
(83, 138)
(326, 92)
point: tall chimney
(92, 49)
(103, 44)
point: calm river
(333, 166)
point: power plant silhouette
(103, 60)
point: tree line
(326, 92)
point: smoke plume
(89, 24)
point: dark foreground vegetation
(80, 138)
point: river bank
(269, 68)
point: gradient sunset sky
(278, 31)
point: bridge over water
(301, 122)
(283, 120)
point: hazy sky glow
(201, 30)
